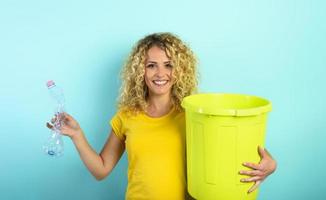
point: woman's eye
(168, 65)
(150, 66)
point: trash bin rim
(227, 111)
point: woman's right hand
(70, 127)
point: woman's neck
(159, 105)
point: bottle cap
(50, 83)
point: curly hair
(134, 91)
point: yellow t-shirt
(156, 154)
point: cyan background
(273, 48)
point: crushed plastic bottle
(53, 146)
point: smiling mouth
(160, 82)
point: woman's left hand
(259, 172)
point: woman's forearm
(91, 159)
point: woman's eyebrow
(165, 62)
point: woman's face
(158, 72)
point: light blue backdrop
(275, 49)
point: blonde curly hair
(134, 91)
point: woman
(150, 123)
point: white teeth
(160, 82)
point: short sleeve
(117, 125)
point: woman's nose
(161, 71)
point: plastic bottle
(53, 146)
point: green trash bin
(223, 131)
